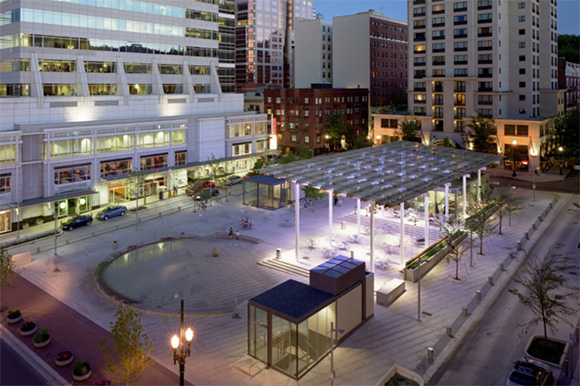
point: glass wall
(284, 350)
(314, 337)
(258, 334)
(115, 168)
(264, 195)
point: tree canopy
(336, 128)
(481, 130)
(566, 133)
(408, 130)
(568, 47)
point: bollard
(159, 214)
(490, 280)
(540, 218)
(465, 313)
(449, 332)
(526, 236)
(501, 267)
(116, 227)
(511, 255)
(519, 245)
(66, 242)
(278, 253)
(179, 208)
(478, 294)
(351, 254)
(343, 225)
(37, 249)
(115, 244)
(430, 353)
(92, 234)
(566, 367)
(534, 226)
(139, 221)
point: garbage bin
(278, 253)
(161, 195)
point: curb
(44, 370)
(475, 318)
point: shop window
(72, 174)
(5, 183)
(154, 162)
(117, 167)
(180, 158)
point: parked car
(232, 180)
(112, 211)
(530, 372)
(75, 222)
(206, 194)
(192, 190)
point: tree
(259, 164)
(481, 130)
(480, 218)
(313, 193)
(547, 291)
(288, 158)
(304, 153)
(452, 229)
(408, 130)
(129, 353)
(507, 203)
(7, 269)
(336, 128)
(568, 47)
(566, 133)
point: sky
(568, 11)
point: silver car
(530, 372)
(112, 211)
(232, 180)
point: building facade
(265, 42)
(299, 116)
(370, 51)
(493, 59)
(313, 53)
(90, 93)
(569, 80)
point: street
(571, 184)
(488, 354)
(21, 373)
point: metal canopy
(388, 174)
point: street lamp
(331, 374)
(536, 168)
(514, 142)
(560, 150)
(180, 355)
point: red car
(199, 186)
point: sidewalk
(551, 175)
(69, 330)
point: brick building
(299, 116)
(569, 80)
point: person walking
(231, 233)
(237, 234)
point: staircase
(283, 266)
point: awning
(63, 196)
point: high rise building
(370, 51)
(313, 52)
(496, 59)
(90, 90)
(265, 42)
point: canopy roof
(388, 174)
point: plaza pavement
(393, 335)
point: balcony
(485, 103)
(484, 34)
(438, 89)
(459, 49)
(482, 7)
(484, 21)
(419, 101)
(462, 9)
(460, 22)
(420, 89)
(484, 75)
(484, 48)
(438, 102)
(419, 64)
(438, 50)
(418, 14)
(422, 113)
(422, 26)
(460, 62)
(439, 24)
(416, 2)
(439, 37)
(485, 61)
(484, 89)
(460, 36)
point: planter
(83, 377)
(14, 320)
(557, 360)
(410, 377)
(215, 252)
(64, 358)
(42, 344)
(426, 266)
(29, 331)
(81, 370)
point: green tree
(481, 132)
(128, 354)
(259, 164)
(336, 128)
(480, 220)
(313, 193)
(452, 229)
(507, 203)
(567, 134)
(288, 158)
(7, 269)
(304, 153)
(568, 47)
(408, 130)
(547, 291)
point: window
(522, 5)
(460, 72)
(438, 35)
(419, 86)
(438, 8)
(522, 45)
(522, 110)
(485, 86)
(484, 72)
(522, 71)
(420, 23)
(460, 19)
(438, 21)
(522, 31)
(522, 97)
(521, 18)
(438, 47)
(484, 31)
(293, 137)
(484, 4)
(419, 61)
(419, 48)
(71, 174)
(419, 111)
(460, 86)
(484, 45)
(5, 184)
(115, 168)
(484, 59)
(486, 113)
(419, 11)
(439, 72)
(522, 58)
(460, 59)
(460, 6)
(438, 112)
(460, 46)
(522, 84)
(306, 139)
(484, 18)
(460, 32)
(485, 99)
(438, 60)
(419, 74)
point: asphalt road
(487, 355)
(571, 184)
(15, 370)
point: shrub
(27, 326)
(13, 314)
(81, 368)
(41, 336)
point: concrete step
(282, 266)
(249, 365)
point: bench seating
(250, 239)
(390, 291)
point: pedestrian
(335, 200)
(237, 234)
(174, 190)
(231, 233)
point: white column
(330, 203)
(297, 217)
(465, 177)
(402, 240)
(426, 195)
(447, 185)
(479, 183)
(358, 216)
(372, 208)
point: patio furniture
(345, 245)
(382, 264)
(328, 253)
(355, 239)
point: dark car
(112, 211)
(530, 372)
(76, 222)
(205, 194)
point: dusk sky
(568, 11)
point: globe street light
(181, 354)
(514, 142)
(560, 150)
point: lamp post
(331, 374)
(534, 183)
(179, 355)
(514, 142)
(560, 150)
(55, 221)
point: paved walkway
(393, 335)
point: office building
(91, 92)
(370, 51)
(313, 52)
(488, 58)
(265, 42)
